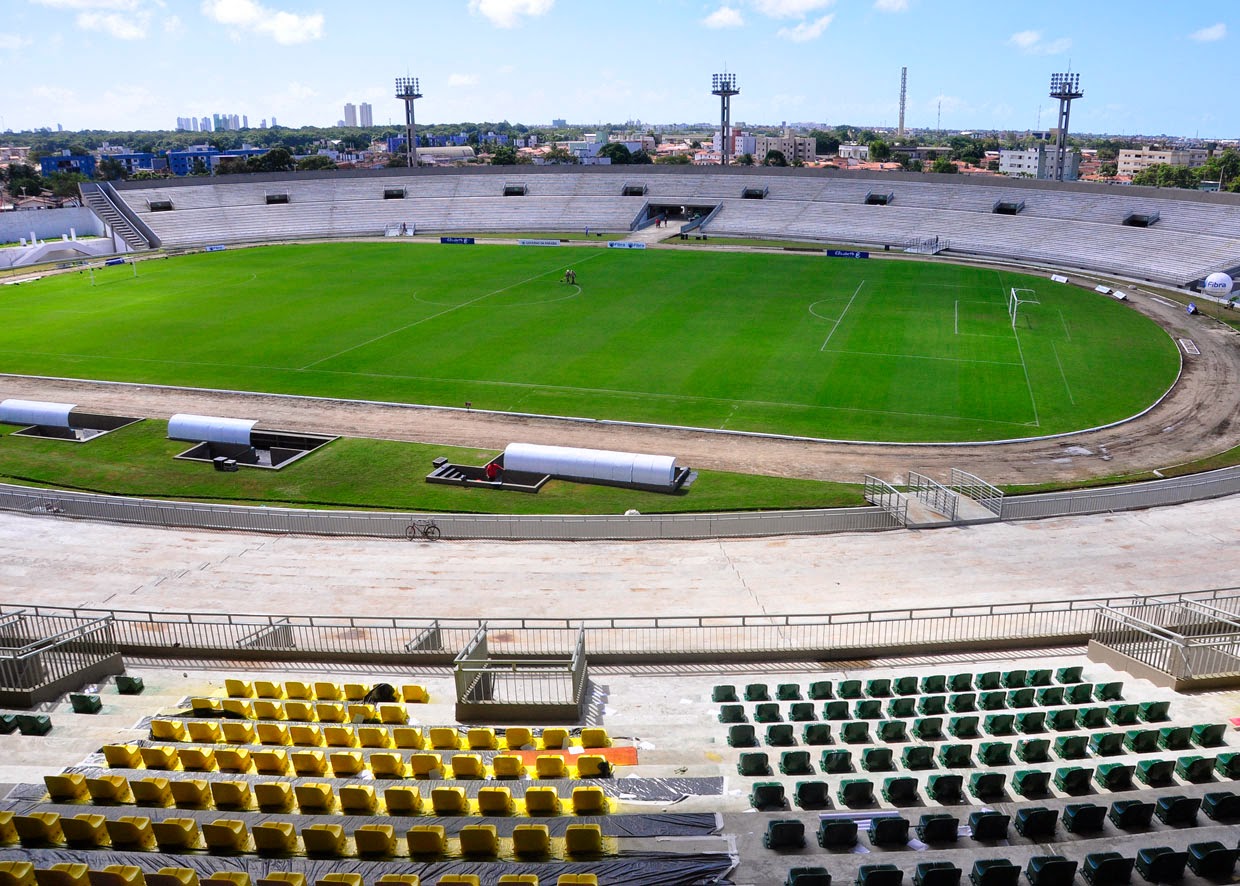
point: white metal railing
(934, 495)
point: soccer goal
(1018, 297)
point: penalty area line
(841, 319)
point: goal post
(1018, 297)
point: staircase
(101, 201)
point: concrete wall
(48, 224)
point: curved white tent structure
(210, 429)
(591, 464)
(36, 412)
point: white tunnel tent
(230, 442)
(36, 412)
(58, 421)
(594, 465)
(210, 429)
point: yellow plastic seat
(375, 839)
(577, 880)
(191, 793)
(227, 878)
(356, 691)
(360, 712)
(507, 766)
(273, 734)
(306, 735)
(583, 839)
(226, 835)
(542, 801)
(374, 737)
(358, 799)
(275, 837)
(408, 737)
(445, 738)
(323, 839)
(239, 733)
(481, 739)
(268, 689)
(339, 878)
(177, 834)
(16, 873)
(67, 787)
(426, 839)
(131, 832)
(468, 766)
(555, 738)
(300, 711)
(589, 800)
(331, 712)
(109, 789)
(202, 706)
(531, 839)
(550, 766)
(117, 875)
(234, 759)
(232, 794)
(170, 876)
(494, 801)
(517, 880)
(239, 708)
(346, 763)
(459, 880)
(283, 878)
(273, 796)
(449, 800)
(274, 762)
(400, 880)
(63, 874)
(169, 730)
(591, 765)
(309, 762)
(422, 765)
(413, 693)
(87, 830)
(299, 689)
(163, 756)
(235, 688)
(266, 709)
(315, 797)
(394, 714)
(479, 839)
(595, 737)
(328, 691)
(388, 765)
(8, 833)
(198, 759)
(518, 737)
(151, 791)
(340, 736)
(205, 731)
(122, 756)
(402, 800)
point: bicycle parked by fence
(422, 529)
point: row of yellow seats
(231, 835)
(319, 797)
(328, 734)
(321, 690)
(24, 873)
(349, 764)
(300, 711)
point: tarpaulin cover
(36, 412)
(591, 464)
(210, 429)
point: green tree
(316, 161)
(1164, 175)
(944, 165)
(620, 154)
(560, 155)
(199, 167)
(640, 158)
(775, 158)
(504, 155)
(912, 164)
(675, 160)
(880, 151)
(1222, 167)
(65, 184)
(1109, 169)
(24, 179)
(111, 170)
(825, 143)
(745, 159)
(275, 160)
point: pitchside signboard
(624, 244)
(846, 253)
(461, 241)
(538, 242)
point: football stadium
(651, 525)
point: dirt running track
(1197, 419)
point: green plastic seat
(879, 875)
(1030, 722)
(1071, 747)
(934, 684)
(903, 706)
(1114, 776)
(788, 692)
(835, 710)
(1194, 769)
(928, 705)
(1208, 735)
(1155, 773)
(956, 756)
(802, 712)
(757, 692)
(868, 709)
(963, 727)
(1036, 822)
(938, 827)
(1079, 693)
(1221, 806)
(836, 761)
(904, 685)
(1154, 711)
(1091, 718)
(987, 786)
(808, 876)
(1113, 691)
(960, 682)
(876, 760)
(1083, 818)
(820, 690)
(1040, 677)
(849, 689)
(892, 731)
(795, 763)
(945, 788)
(995, 753)
(766, 795)
(129, 685)
(1211, 860)
(928, 728)
(988, 680)
(888, 830)
(1141, 741)
(837, 833)
(733, 713)
(741, 735)
(989, 826)
(784, 834)
(995, 700)
(1177, 810)
(1123, 714)
(780, 735)
(754, 763)
(85, 703)
(812, 794)
(1031, 783)
(724, 692)
(1033, 750)
(1107, 868)
(1161, 864)
(879, 687)
(916, 757)
(816, 734)
(1228, 765)
(33, 724)
(856, 792)
(1106, 744)
(900, 790)
(1175, 738)
(1021, 698)
(1061, 719)
(962, 702)
(936, 873)
(1050, 870)
(1130, 815)
(994, 872)
(1069, 674)
(1000, 724)
(1050, 696)
(8, 724)
(1017, 679)
(855, 732)
(767, 712)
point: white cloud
(806, 31)
(462, 79)
(724, 17)
(508, 13)
(13, 42)
(117, 5)
(1210, 34)
(173, 25)
(122, 27)
(286, 28)
(891, 5)
(1031, 43)
(1025, 39)
(790, 8)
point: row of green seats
(885, 687)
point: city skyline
(529, 61)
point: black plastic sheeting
(647, 869)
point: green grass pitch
(791, 344)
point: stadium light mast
(903, 96)
(1064, 87)
(407, 91)
(724, 86)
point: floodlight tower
(407, 91)
(1064, 87)
(903, 94)
(724, 86)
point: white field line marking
(1064, 321)
(1028, 383)
(957, 316)
(1062, 375)
(1164, 301)
(837, 322)
(463, 304)
(921, 357)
